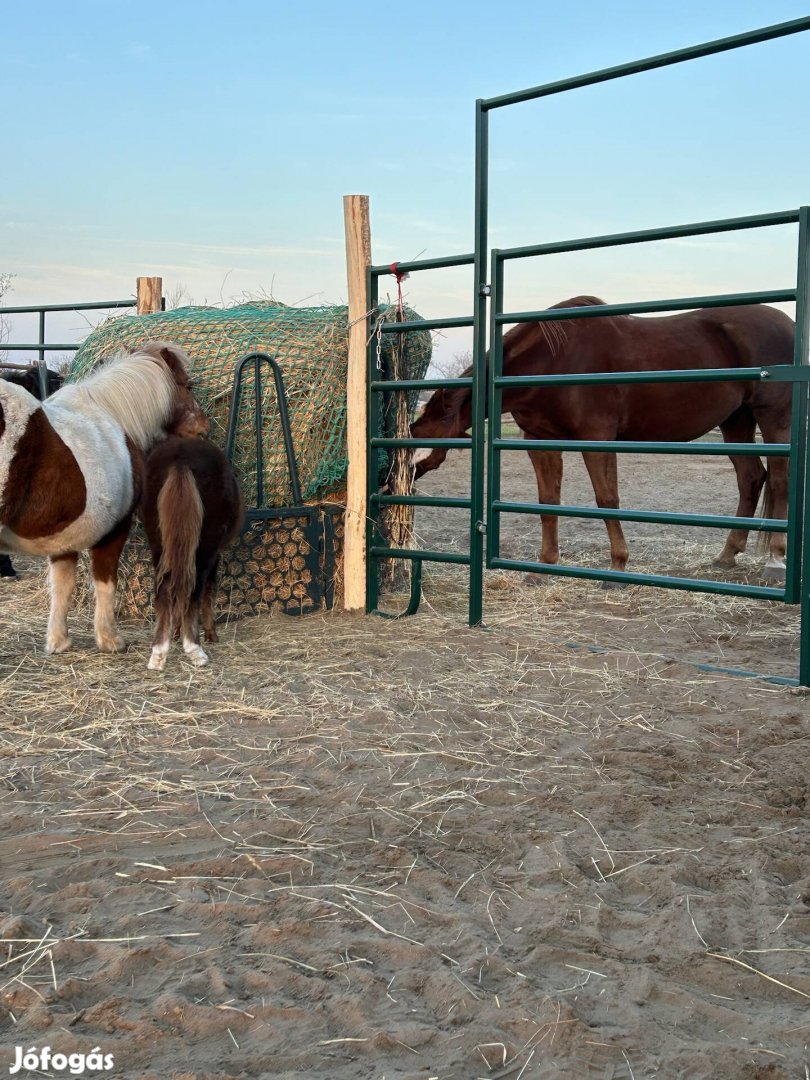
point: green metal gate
(487, 386)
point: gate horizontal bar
(709, 521)
(601, 311)
(670, 376)
(421, 556)
(39, 346)
(102, 305)
(634, 67)
(625, 446)
(380, 269)
(433, 444)
(383, 385)
(644, 236)
(727, 588)
(421, 500)
(425, 324)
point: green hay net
(311, 346)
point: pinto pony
(192, 509)
(71, 471)
(724, 337)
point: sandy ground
(356, 848)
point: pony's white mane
(137, 391)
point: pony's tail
(180, 518)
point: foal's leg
(61, 581)
(207, 606)
(191, 630)
(161, 640)
(605, 480)
(104, 559)
(548, 469)
(775, 427)
(740, 427)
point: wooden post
(149, 295)
(358, 258)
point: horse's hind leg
(61, 581)
(774, 423)
(605, 480)
(548, 470)
(104, 560)
(740, 427)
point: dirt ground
(361, 848)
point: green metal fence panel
(488, 383)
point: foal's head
(188, 420)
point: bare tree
(453, 366)
(5, 286)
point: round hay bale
(311, 346)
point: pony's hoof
(57, 645)
(211, 635)
(611, 585)
(197, 656)
(157, 662)
(110, 644)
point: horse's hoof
(724, 562)
(211, 635)
(775, 574)
(534, 579)
(611, 585)
(156, 663)
(57, 645)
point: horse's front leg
(61, 581)
(605, 480)
(104, 558)
(548, 470)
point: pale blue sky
(213, 145)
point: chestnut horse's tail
(180, 519)
(764, 538)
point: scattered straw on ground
(355, 847)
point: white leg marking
(157, 661)
(195, 652)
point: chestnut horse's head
(188, 420)
(447, 415)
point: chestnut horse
(723, 337)
(192, 509)
(71, 471)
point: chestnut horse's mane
(525, 335)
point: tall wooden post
(358, 258)
(149, 295)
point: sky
(212, 144)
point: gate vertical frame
(479, 387)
